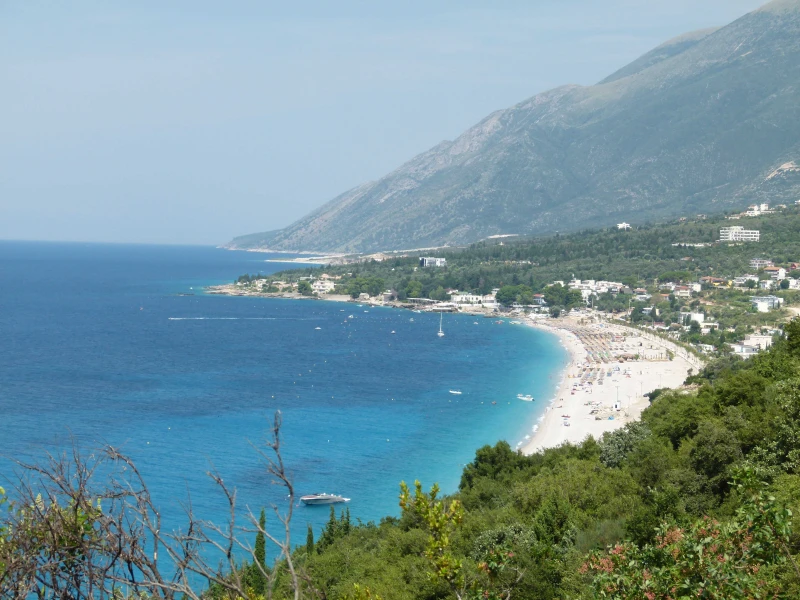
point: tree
(792, 331)
(784, 284)
(707, 559)
(69, 535)
(616, 445)
(260, 555)
(510, 294)
(310, 540)
(304, 288)
(414, 289)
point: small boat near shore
(456, 392)
(525, 397)
(314, 499)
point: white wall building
(464, 298)
(322, 286)
(699, 317)
(743, 279)
(776, 273)
(623, 226)
(760, 263)
(738, 234)
(766, 303)
(430, 261)
(762, 342)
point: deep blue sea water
(96, 344)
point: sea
(119, 344)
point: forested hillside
(636, 256)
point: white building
(623, 226)
(697, 316)
(430, 261)
(738, 234)
(744, 351)
(760, 263)
(742, 280)
(776, 273)
(762, 342)
(464, 298)
(766, 303)
(322, 286)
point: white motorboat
(525, 397)
(456, 392)
(314, 499)
(441, 333)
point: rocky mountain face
(707, 121)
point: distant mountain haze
(704, 122)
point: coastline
(580, 409)
(598, 351)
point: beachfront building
(463, 298)
(322, 286)
(760, 263)
(430, 261)
(589, 287)
(766, 303)
(738, 234)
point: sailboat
(441, 333)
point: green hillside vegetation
(644, 256)
(706, 122)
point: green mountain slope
(704, 122)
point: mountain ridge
(696, 124)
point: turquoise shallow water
(96, 344)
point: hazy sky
(192, 122)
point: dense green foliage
(642, 256)
(658, 492)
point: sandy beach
(598, 392)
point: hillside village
(737, 310)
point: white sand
(625, 386)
